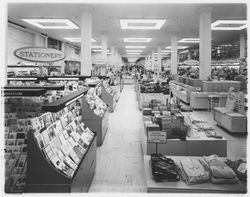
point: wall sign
(191, 62)
(39, 54)
(157, 137)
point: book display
(21, 105)
(109, 96)
(63, 146)
(95, 113)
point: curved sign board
(39, 54)
(191, 62)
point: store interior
(127, 98)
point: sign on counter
(157, 137)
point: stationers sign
(39, 54)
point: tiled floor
(119, 159)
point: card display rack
(109, 99)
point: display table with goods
(20, 106)
(149, 90)
(220, 86)
(61, 148)
(207, 100)
(190, 81)
(109, 96)
(207, 174)
(184, 134)
(182, 91)
(95, 114)
(232, 117)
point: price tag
(157, 137)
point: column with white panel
(205, 42)
(104, 47)
(86, 33)
(174, 54)
(159, 59)
(242, 45)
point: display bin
(177, 147)
(183, 187)
(232, 121)
(96, 123)
(42, 177)
(220, 86)
(201, 100)
(147, 97)
(109, 99)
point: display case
(61, 148)
(182, 187)
(220, 86)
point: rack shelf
(23, 92)
(53, 87)
(64, 101)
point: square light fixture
(135, 47)
(189, 40)
(179, 47)
(229, 25)
(134, 51)
(142, 23)
(77, 39)
(49, 23)
(137, 39)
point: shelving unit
(109, 99)
(96, 123)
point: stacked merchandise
(199, 125)
(198, 170)
(63, 137)
(95, 103)
(18, 113)
(220, 172)
(163, 169)
(148, 86)
(192, 171)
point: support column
(37, 40)
(159, 59)
(189, 55)
(112, 55)
(205, 43)
(86, 33)
(174, 56)
(242, 45)
(104, 47)
(153, 59)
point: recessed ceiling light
(96, 47)
(137, 39)
(52, 23)
(99, 50)
(229, 25)
(133, 53)
(77, 39)
(179, 47)
(189, 40)
(135, 47)
(142, 23)
(134, 50)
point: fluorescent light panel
(179, 47)
(137, 39)
(98, 50)
(135, 47)
(51, 23)
(189, 40)
(96, 47)
(142, 23)
(229, 25)
(134, 51)
(77, 39)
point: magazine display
(18, 115)
(108, 88)
(95, 103)
(63, 138)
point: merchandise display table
(181, 186)
(220, 86)
(147, 97)
(232, 121)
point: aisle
(119, 159)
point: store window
(55, 44)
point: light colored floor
(119, 160)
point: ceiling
(182, 19)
